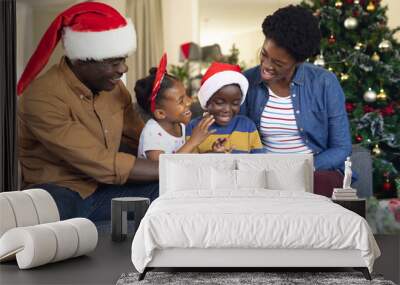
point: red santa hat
(89, 30)
(219, 75)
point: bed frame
(242, 259)
(246, 258)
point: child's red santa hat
(89, 30)
(219, 75)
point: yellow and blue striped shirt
(241, 134)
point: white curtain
(146, 15)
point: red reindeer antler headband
(161, 71)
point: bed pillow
(251, 178)
(293, 179)
(280, 175)
(182, 177)
(229, 179)
(223, 179)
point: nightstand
(358, 206)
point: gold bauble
(381, 95)
(358, 46)
(376, 150)
(344, 76)
(371, 7)
(375, 57)
(338, 4)
(385, 45)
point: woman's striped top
(278, 128)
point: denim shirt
(319, 109)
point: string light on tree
(350, 23)
(338, 4)
(358, 46)
(370, 95)
(376, 150)
(344, 76)
(319, 60)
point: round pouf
(120, 207)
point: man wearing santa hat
(73, 119)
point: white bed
(244, 210)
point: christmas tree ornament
(350, 23)
(370, 95)
(371, 7)
(381, 95)
(332, 39)
(358, 46)
(359, 138)
(338, 4)
(387, 185)
(317, 13)
(385, 46)
(330, 69)
(375, 57)
(349, 1)
(356, 2)
(320, 61)
(376, 150)
(350, 107)
(344, 76)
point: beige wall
(181, 24)
(201, 21)
(393, 15)
(236, 21)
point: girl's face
(176, 104)
(225, 104)
(276, 63)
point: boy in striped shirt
(223, 89)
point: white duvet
(255, 218)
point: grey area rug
(243, 278)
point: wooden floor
(106, 264)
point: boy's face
(176, 104)
(225, 104)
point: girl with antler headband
(163, 96)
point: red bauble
(350, 107)
(359, 138)
(356, 13)
(387, 186)
(368, 109)
(349, 1)
(387, 111)
(331, 39)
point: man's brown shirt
(69, 137)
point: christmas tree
(361, 50)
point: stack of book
(344, 194)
